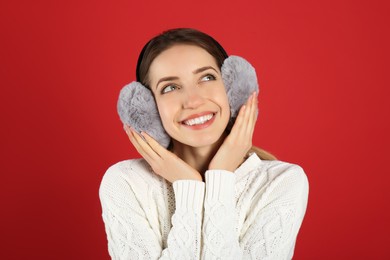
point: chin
(204, 141)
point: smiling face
(190, 95)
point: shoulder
(270, 170)
(127, 177)
(274, 178)
(287, 183)
(284, 171)
(122, 170)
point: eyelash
(164, 89)
(209, 75)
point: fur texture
(240, 80)
(137, 108)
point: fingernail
(143, 135)
(126, 128)
(255, 96)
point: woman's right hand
(163, 162)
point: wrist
(191, 176)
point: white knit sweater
(253, 213)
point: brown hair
(172, 37)
(169, 38)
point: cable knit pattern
(220, 217)
(253, 213)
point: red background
(323, 70)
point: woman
(207, 196)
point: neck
(198, 158)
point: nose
(193, 98)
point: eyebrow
(203, 69)
(166, 79)
(194, 72)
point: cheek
(226, 108)
(166, 112)
(222, 99)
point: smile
(198, 120)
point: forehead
(179, 58)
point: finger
(135, 140)
(161, 151)
(247, 115)
(239, 120)
(243, 124)
(132, 139)
(255, 113)
(252, 114)
(142, 147)
(130, 136)
(255, 105)
(144, 144)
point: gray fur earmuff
(240, 80)
(137, 108)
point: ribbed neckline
(251, 163)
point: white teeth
(198, 120)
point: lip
(199, 126)
(198, 115)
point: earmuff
(137, 108)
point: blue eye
(208, 77)
(168, 89)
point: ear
(137, 108)
(240, 80)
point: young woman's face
(190, 95)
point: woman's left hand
(237, 144)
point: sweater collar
(251, 163)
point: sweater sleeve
(132, 233)
(220, 237)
